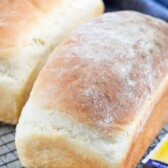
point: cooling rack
(8, 153)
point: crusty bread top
(29, 27)
(105, 73)
(16, 16)
(19, 15)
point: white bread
(101, 98)
(29, 30)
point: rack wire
(8, 153)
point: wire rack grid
(8, 153)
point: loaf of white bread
(29, 31)
(101, 98)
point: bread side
(153, 125)
(99, 89)
(30, 31)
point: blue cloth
(156, 8)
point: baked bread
(101, 98)
(29, 30)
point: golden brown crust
(57, 152)
(153, 125)
(106, 71)
(19, 15)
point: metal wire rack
(8, 153)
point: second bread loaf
(29, 30)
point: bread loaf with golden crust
(101, 98)
(29, 31)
